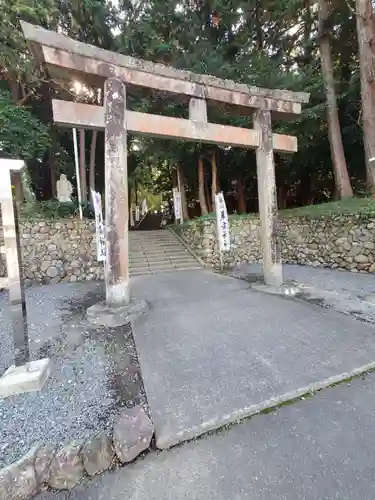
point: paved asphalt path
(212, 350)
(321, 448)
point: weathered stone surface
(112, 317)
(18, 480)
(66, 468)
(57, 251)
(132, 434)
(98, 455)
(43, 457)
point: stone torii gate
(68, 59)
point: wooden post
(116, 195)
(269, 223)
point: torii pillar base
(111, 317)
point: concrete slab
(213, 351)
(30, 377)
(322, 448)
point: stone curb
(62, 469)
(239, 415)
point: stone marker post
(116, 195)
(14, 281)
(24, 375)
(268, 213)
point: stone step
(151, 255)
(158, 251)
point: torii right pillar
(267, 196)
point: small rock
(98, 455)
(66, 469)
(52, 272)
(18, 480)
(361, 258)
(43, 457)
(132, 434)
(45, 265)
(372, 268)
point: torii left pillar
(118, 309)
(116, 195)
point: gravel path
(95, 372)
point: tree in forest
(366, 44)
(337, 148)
(267, 43)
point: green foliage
(22, 135)
(270, 43)
(362, 207)
(50, 209)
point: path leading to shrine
(213, 351)
(158, 251)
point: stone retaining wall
(65, 250)
(57, 251)
(344, 242)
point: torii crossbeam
(68, 59)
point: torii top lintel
(67, 58)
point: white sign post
(222, 224)
(78, 178)
(100, 232)
(177, 205)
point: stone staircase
(158, 251)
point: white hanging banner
(137, 215)
(177, 204)
(99, 224)
(131, 215)
(222, 222)
(144, 207)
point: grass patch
(348, 206)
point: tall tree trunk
(337, 150)
(208, 197)
(92, 161)
(82, 165)
(366, 45)
(241, 199)
(18, 188)
(181, 187)
(202, 196)
(52, 169)
(259, 24)
(214, 183)
(281, 196)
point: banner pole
(76, 161)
